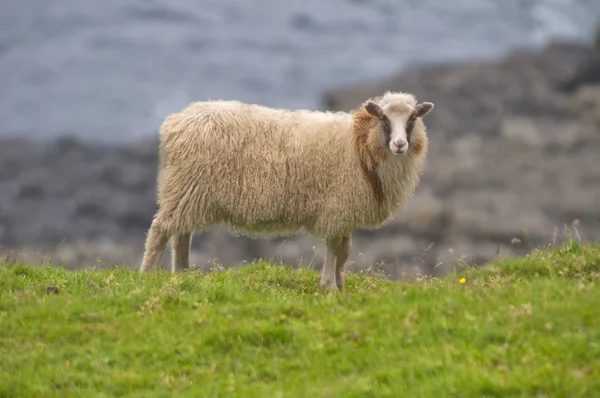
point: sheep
(265, 172)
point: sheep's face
(397, 121)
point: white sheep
(276, 172)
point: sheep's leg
(156, 243)
(328, 274)
(180, 252)
(342, 255)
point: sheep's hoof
(331, 285)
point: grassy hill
(517, 327)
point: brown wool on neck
(364, 128)
(419, 145)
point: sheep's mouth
(399, 150)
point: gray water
(113, 69)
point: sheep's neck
(370, 153)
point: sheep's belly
(264, 229)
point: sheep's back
(257, 169)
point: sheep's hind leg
(342, 255)
(180, 248)
(329, 268)
(156, 243)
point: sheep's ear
(424, 108)
(374, 109)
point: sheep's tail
(161, 160)
(163, 135)
(161, 149)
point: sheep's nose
(400, 145)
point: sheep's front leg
(329, 268)
(180, 252)
(343, 252)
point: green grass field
(520, 327)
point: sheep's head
(397, 121)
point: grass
(517, 327)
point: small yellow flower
(462, 280)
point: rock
(587, 71)
(542, 132)
(3, 231)
(511, 156)
(522, 130)
(587, 101)
(476, 96)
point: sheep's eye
(386, 125)
(410, 124)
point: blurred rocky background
(514, 136)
